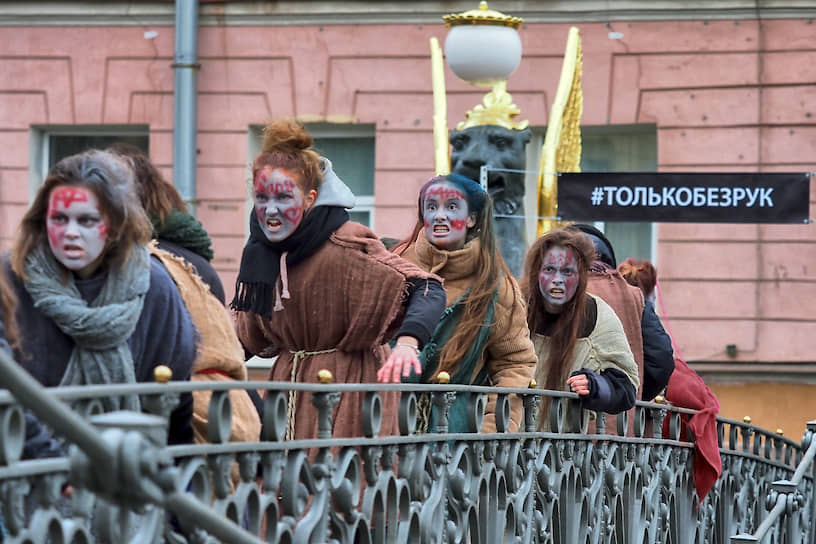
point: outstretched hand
(399, 364)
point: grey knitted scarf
(100, 330)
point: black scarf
(260, 261)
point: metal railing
(633, 486)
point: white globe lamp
(483, 46)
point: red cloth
(687, 389)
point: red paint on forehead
(444, 193)
(560, 258)
(264, 181)
(63, 197)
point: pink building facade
(724, 93)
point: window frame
(39, 148)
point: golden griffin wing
(562, 143)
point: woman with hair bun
(482, 339)
(93, 306)
(322, 292)
(640, 274)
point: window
(350, 148)
(628, 148)
(50, 144)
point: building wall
(725, 95)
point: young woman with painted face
(93, 306)
(322, 292)
(482, 338)
(579, 341)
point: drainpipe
(185, 101)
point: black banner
(688, 198)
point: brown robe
(509, 355)
(627, 302)
(347, 300)
(219, 356)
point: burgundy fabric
(687, 389)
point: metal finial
(533, 384)
(162, 374)
(443, 378)
(324, 377)
(746, 419)
(659, 399)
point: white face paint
(446, 216)
(279, 203)
(77, 230)
(558, 278)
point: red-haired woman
(323, 292)
(580, 342)
(482, 339)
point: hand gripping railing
(785, 499)
(134, 468)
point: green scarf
(184, 230)
(463, 372)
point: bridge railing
(634, 485)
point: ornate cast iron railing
(634, 486)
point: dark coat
(164, 335)
(658, 355)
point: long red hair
(568, 324)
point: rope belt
(298, 356)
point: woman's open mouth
(441, 229)
(273, 224)
(555, 292)
(73, 251)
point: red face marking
(77, 230)
(445, 214)
(265, 185)
(458, 224)
(62, 197)
(279, 202)
(293, 214)
(444, 193)
(558, 278)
